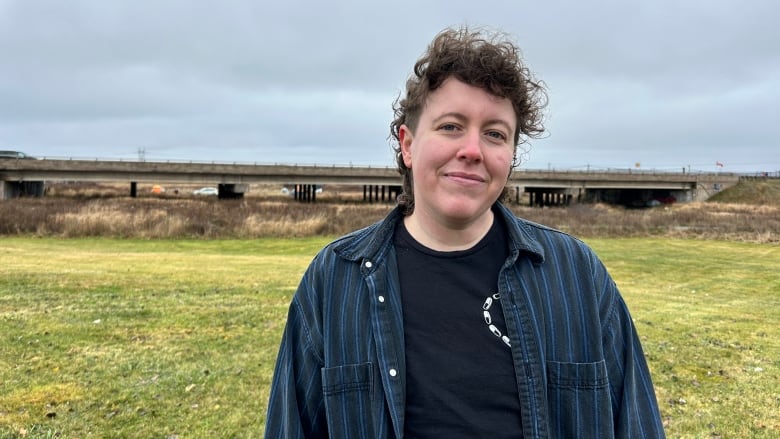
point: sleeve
(296, 404)
(634, 404)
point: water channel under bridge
(543, 187)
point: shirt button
(368, 264)
(381, 299)
(393, 372)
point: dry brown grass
(737, 222)
(107, 210)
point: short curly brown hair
(488, 60)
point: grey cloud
(664, 82)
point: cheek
(501, 162)
(426, 155)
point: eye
(498, 135)
(448, 127)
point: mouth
(465, 177)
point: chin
(468, 210)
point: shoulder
(568, 262)
(545, 243)
(371, 243)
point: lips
(465, 176)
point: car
(206, 191)
(14, 155)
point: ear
(405, 137)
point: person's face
(460, 154)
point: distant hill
(761, 191)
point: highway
(567, 183)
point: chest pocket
(580, 403)
(348, 392)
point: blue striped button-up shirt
(580, 367)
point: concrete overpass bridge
(544, 187)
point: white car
(206, 191)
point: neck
(451, 236)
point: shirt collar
(373, 241)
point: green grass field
(177, 339)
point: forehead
(455, 96)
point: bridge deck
(194, 172)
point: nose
(471, 148)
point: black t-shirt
(460, 378)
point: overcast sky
(662, 84)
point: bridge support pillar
(383, 193)
(541, 197)
(15, 189)
(228, 191)
(371, 193)
(306, 193)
